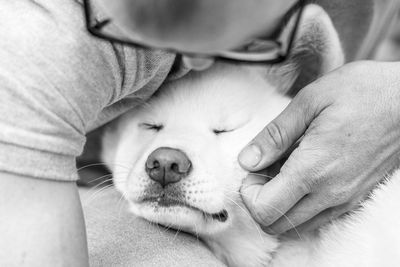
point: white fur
(367, 237)
(190, 109)
(242, 99)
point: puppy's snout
(167, 165)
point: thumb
(280, 134)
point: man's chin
(183, 218)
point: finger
(272, 170)
(307, 208)
(320, 220)
(267, 202)
(279, 135)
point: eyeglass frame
(227, 56)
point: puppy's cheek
(120, 176)
(234, 175)
(135, 182)
(136, 186)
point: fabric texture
(57, 82)
(117, 238)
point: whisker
(231, 191)
(168, 228)
(104, 176)
(196, 232)
(284, 216)
(251, 218)
(101, 177)
(119, 204)
(102, 164)
(160, 231)
(262, 175)
(85, 202)
(274, 208)
(100, 184)
(176, 234)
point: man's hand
(350, 124)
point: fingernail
(250, 156)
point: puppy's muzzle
(167, 165)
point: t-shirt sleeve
(57, 82)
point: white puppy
(175, 160)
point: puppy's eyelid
(151, 126)
(220, 131)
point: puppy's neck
(243, 243)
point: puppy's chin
(237, 239)
(183, 218)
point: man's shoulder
(361, 24)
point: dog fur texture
(211, 116)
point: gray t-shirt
(57, 83)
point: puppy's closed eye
(227, 127)
(151, 126)
(220, 131)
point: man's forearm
(41, 223)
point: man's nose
(167, 165)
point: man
(58, 83)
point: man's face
(197, 26)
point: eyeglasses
(256, 51)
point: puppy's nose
(167, 165)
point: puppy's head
(175, 157)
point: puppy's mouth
(165, 201)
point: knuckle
(280, 227)
(357, 67)
(309, 94)
(337, 211)
(274, 134)
(305, 186)
(297, 187)
(339, 196)
(315, 97)
(303, 180)
(315, 177)
(263, 214)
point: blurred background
(389, 49)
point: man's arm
(41, 223)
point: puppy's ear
(316, 50)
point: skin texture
(349, 120)
(200, 26)
(54, 238)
